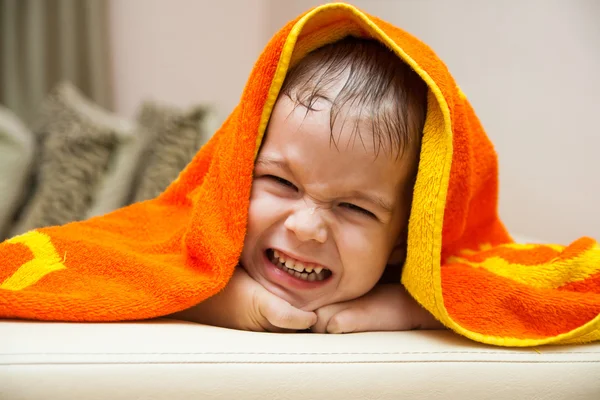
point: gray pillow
(17, 149)
(75, 151)
(176, 136)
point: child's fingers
(349, 320)
(324, 315)
(283, 315)
(361, 319)
(321, 325)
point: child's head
(334, 177)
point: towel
(169, 253)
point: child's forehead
(365, 86)
(342, 129)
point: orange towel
(167, 254)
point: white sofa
(167, 359)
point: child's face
(338, 208)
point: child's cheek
(364, 255)
(266, 207)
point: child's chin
(309, 304)
(305, 304)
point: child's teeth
(289, 264)
(299, 270)
(298, 266)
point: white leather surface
(167, 359)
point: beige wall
(183, 52)
(531, 76)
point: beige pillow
(81, 168)
(17, 148)
(175, 137)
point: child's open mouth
(307, 272)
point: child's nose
(307, 224)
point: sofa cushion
(168, 359)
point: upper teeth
(296, 265)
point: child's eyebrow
(379, 201)
(372, 198)
(272, 162)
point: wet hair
(379, 88)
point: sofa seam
(311, 354)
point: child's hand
(385, 308)
(245, 304)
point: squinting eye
(282, 181)
(357, 209)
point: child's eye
(357, 209)
(282, 181)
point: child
(330, 201)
